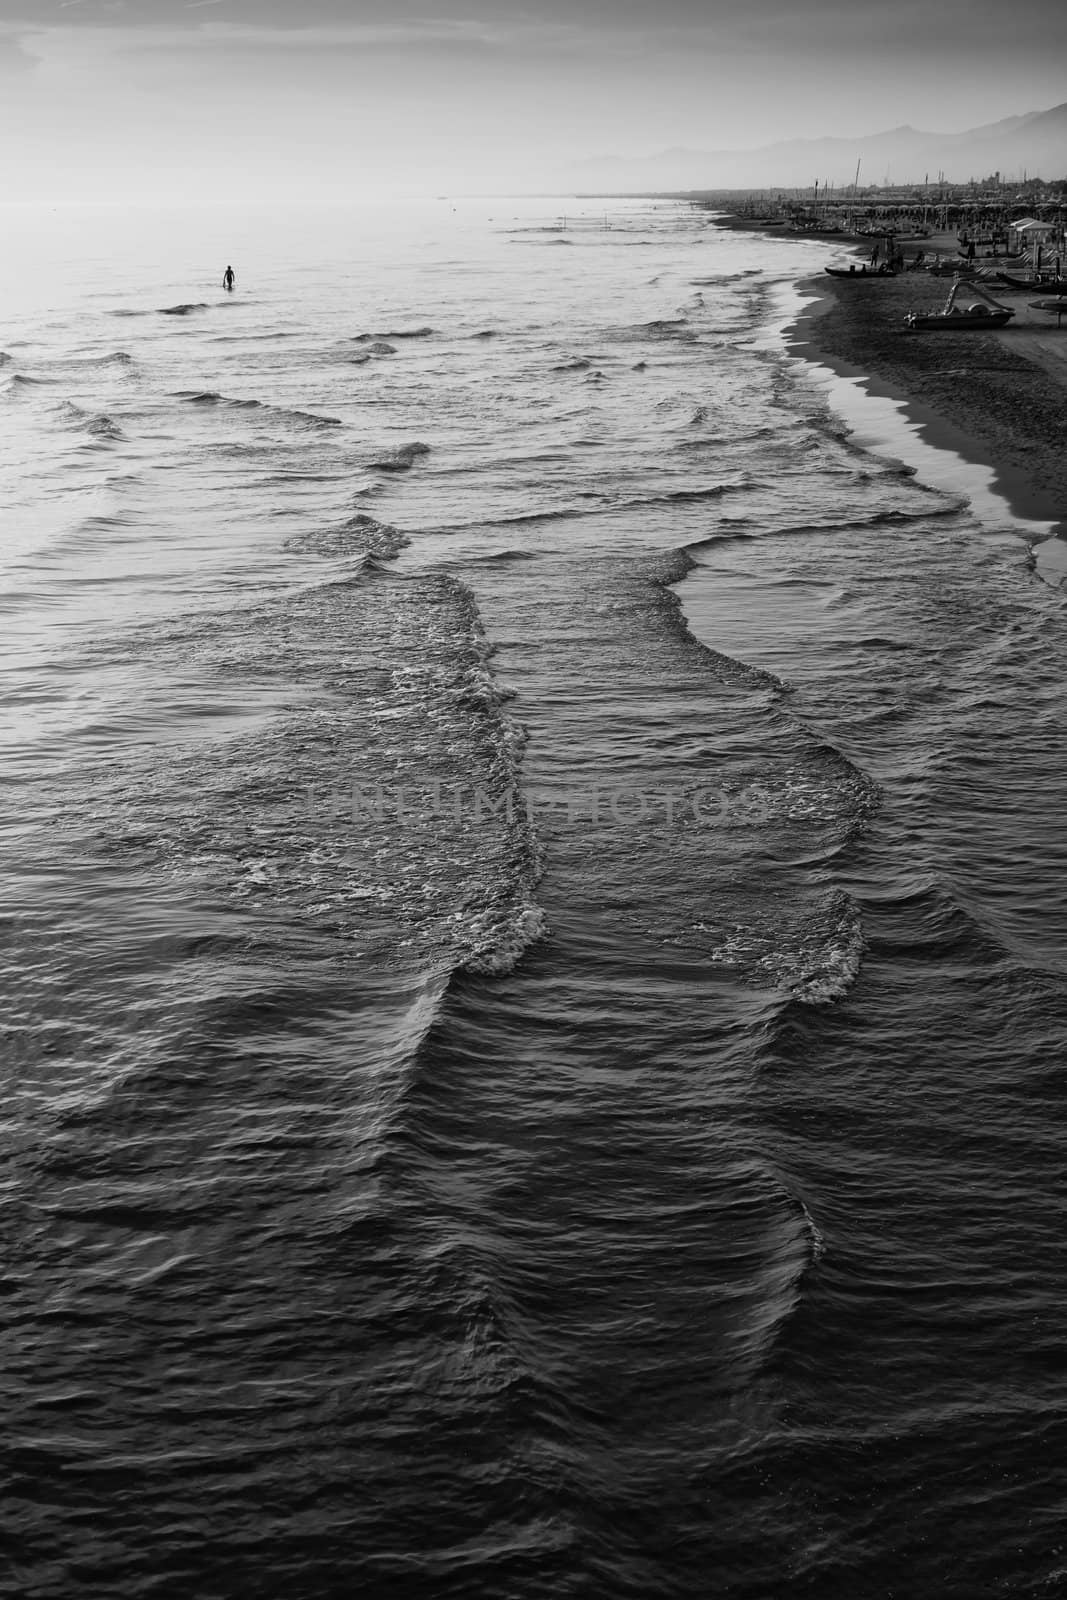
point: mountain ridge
(1034, 143)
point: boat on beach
(943, 267)
(983, 312)
(863, 271)
(1044, 285)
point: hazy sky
(116, 99)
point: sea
(533, 929)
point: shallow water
(534, 932)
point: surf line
(897, 427)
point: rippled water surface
(534, 934)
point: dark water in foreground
(535, 965)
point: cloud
(830, 29)
(14, 58)
(383, 36)
(285, 15)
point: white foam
(880, 425)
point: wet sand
(998, 398)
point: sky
(209, 100)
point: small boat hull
(861, 272)
(1040, 285)
(957, 321)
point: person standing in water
(227, 278)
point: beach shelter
(1031, 231)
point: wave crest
(360, 536)
(401, 459)
(392, 333)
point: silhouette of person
(227, 278)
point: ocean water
(534, 932)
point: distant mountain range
(1035, 144)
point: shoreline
(996, 400)
(1011, 417)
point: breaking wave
(211, 397)
(392, 333)
(401, 459)
(358, 537)
(103, 427)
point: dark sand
(997, 398)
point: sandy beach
(999, 398)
